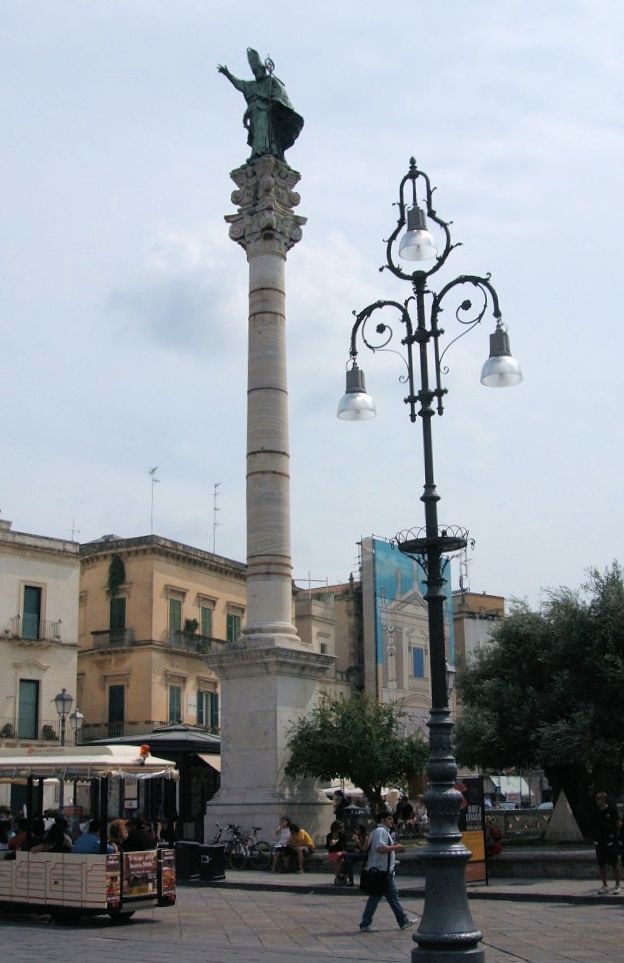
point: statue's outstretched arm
(233, 80)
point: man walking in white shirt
(381, 856)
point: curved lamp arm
(411, 178)
(468, 322)
(356, 404)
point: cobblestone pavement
(223, 925)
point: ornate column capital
(265, 198)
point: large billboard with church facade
(395, 630)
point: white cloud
(125, 303)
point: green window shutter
(116, 704)
(175, 703)
(233, 627)
(28, 709)
(214, 710)
(175, 615)
(206, 621)
(118, 613)
(117, 619)
(201, 708)
(32, 612)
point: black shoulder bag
(374, 882)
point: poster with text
(472, 827)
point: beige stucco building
(39, 578)
(475, 615)
(150, 610)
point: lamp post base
(442, 955)
(447, 933)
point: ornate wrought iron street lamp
(63, 702)
(76, 721)
(447, 932)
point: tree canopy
(358, 739)
(547, 692)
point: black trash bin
(187, 855)
(352, 816)
(211, 863)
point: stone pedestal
(262, 691)
(268, 677)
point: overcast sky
(124, 303)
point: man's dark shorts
(607, 855)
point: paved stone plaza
(541, 922)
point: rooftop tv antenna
(215, 509)
(464, 577)
(152, 473)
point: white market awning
(514, 786)
(211, 760)
(83, 762)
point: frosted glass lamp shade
(356, 404)
(418, 243)
(501, 370)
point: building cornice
(41, 544)
(163, 547)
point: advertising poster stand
(472, 827)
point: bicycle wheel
(260, 855)
(238, 854)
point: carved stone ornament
(265, 200)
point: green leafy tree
(547, 693)
(358, 739)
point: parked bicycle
(243, 849)
(257, 851)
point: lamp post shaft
(62, 781)
(447, 931)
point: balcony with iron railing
(112, 638)
(29, 730)
(175, 638)
(30, 628)
(191, 641)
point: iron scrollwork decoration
(419, 332)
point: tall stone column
(266, 227)
(268, 677)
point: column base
(313, 814)
(441, 955)
(270, 635)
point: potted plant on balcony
(190, 628)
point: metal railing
(41, 730)
(111, 638)
(48, 731)
(31, 628)
(191, 642)
(176, 638)
(115, 730)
